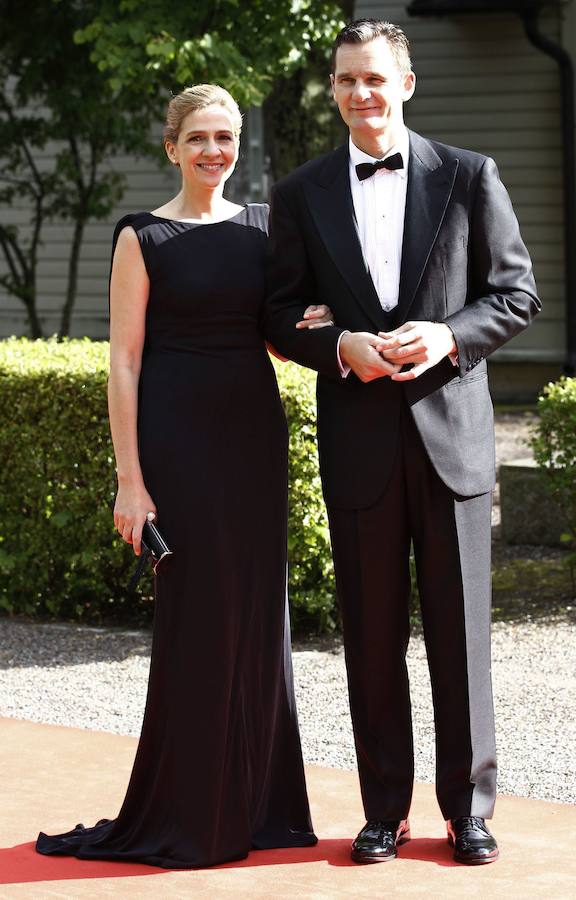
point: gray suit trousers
(451, 540)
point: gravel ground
(96, 679)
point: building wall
(148, 186)
(481, 85)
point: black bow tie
(365, 170)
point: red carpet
(21, 864)
(60, 776)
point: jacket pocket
(473, 378)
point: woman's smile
(211, 167)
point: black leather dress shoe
(473, 844)
(377, 841)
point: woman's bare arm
(129, 289)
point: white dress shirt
(379, 205)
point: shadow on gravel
(530, 584)
(24, 643)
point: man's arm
(291, 288)
(331, 350)
(502, 285)
(502, 280)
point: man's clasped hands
(418, 344)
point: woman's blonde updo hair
(199, 96)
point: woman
(200, 440)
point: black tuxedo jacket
(463, 263)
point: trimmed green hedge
(59, 552)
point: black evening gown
(218, 770)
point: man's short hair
(362, 31)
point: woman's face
(207, 148)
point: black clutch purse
(154, 543)
(154, 548)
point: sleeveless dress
(218, 770)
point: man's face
(369, 88)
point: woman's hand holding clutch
(133, 506)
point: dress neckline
(199, 221)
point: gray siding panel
(481, 85)
(148, 187)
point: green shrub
(554, 445)
(59, 552)
(311, 574)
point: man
(421, 261)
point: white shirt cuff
(344, 370)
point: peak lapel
(329, 200)
(430, 184)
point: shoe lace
(384, 828)
(472, 823)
